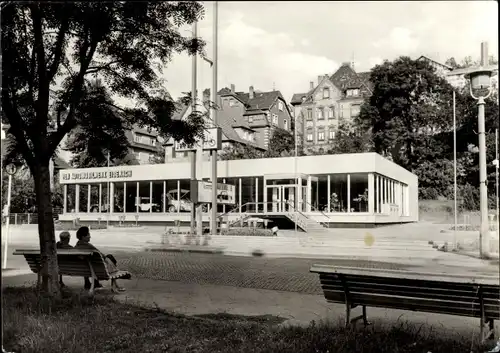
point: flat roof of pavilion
(305, 165)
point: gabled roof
(227, 92)
(226, 120)
(345, 77)
(60, 163)
(423, 57)
(261, 100)
(180, 112)
(365, 77)
(297, 98)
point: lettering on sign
(97, 175)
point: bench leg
(365, 320)
(490, 333)
(93, 278)
(347, 314)
(92, 287)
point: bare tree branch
(41, 105)
(69, 122)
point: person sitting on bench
(63, 243)
(83, 235)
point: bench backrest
(72, 262)
(446, 294)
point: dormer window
(280, 106)
(352, 92)
(303, 99)
(326, 92)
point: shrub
(259, 232)
(71, 227)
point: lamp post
(480, 81)
(214, 120)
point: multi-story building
(143, 144)
(245, 118)
(330, 101)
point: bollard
(15, 219)
(29, 222)
(136, 219)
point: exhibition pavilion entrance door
(283, 193)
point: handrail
(317, 209)
(324, 214)
(236, 208)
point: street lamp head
(480, 78)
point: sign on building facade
(212, 140)
(226, 193)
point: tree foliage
(239, 151)
(49, 53)
(409, 101)
(351, 139)
(281, 144)
(410, 116)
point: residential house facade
(143, 144)
(329, 102)
(245, 118)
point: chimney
(311, 85)
(232, 88)
(320, 78)
(484, 54)
(251, 93)
(346, 64)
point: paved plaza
(195, 284)
(200, 283)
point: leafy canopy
(409, 101)
(52, 50)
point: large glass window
(260, 192)
(171, 196)
(323, 193)
(338, 193)
(359, 192)
(130, 195)
(83, 198)
(158, 196)
(248, 193)
(119, 197)
(70, 198)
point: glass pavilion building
(362, 189)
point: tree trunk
(49, 266)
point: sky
(287, 44)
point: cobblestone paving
(249, 272)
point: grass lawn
(81, 324)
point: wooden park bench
(425, 292)
(75, 263)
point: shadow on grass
(78, 323)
